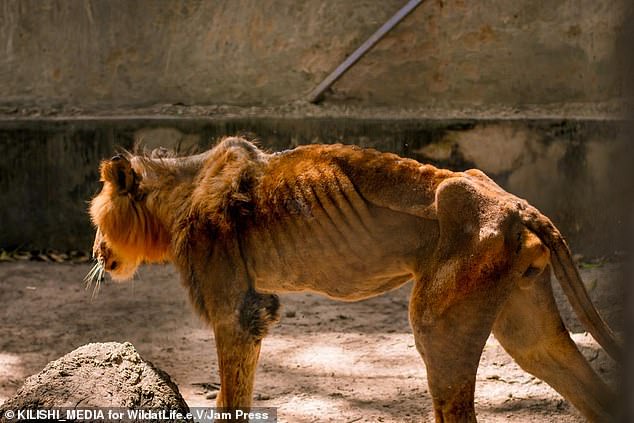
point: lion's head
(127, 232)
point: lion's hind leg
(451, 346)
(531, 331)
(453, 305)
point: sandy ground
(326, 361)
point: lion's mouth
(95, 277)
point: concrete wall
(548, 67)
(115, 53)
(569, 169)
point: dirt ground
(325, 361)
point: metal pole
(316, 95)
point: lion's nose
(111, 265)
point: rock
(108, 374)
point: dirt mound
(98, 375)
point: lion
(241, 225)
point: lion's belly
(336, 257)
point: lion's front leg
(237, 359)
(238, 335)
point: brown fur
(241, 225)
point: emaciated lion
(241, 224)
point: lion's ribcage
(322, 235)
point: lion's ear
(118, 171)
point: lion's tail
(570, 280)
